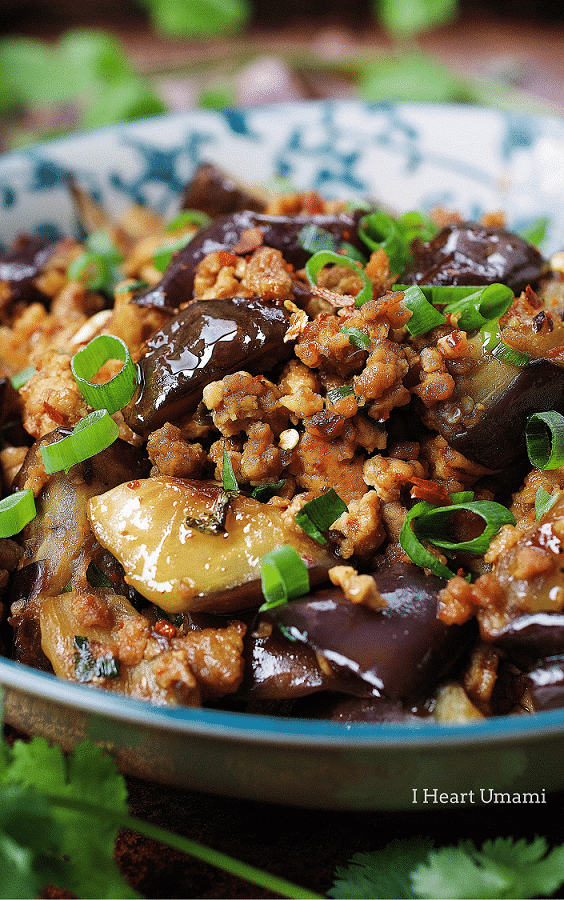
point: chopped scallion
(480, 307)
(20, 378)
(16, 511)
(318, 514)
(425, 316)
(86, 363)
(544, 435)
(492, 343)
(188, 217)
(91, 435)
(411, 544)
(313, 239)
(163, 255)
(228, 475)
(323, 258)
(284, 576)
(98, 266)
(544, 501)
(356, 337)
(339, 393)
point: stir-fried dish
(286, 455)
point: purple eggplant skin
(498, 438)
(216, 193)
(545, 684)
(401, 651)
(176, 287)
(530, 638)
(202, 343)
(470, 253)
(19, 267)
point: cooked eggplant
(203, 343)
(469, 253)
(216, 193)
(485, 420)
(19, 268)
(189, 546)
(280, 232)
(401, 651)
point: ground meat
(219, 275)
(261, 459)
(51, 397)
(267, 275)
(436, 382)
(172, 454)
(450, 467)
(361, 526)
(240, 399)
(389, 476)
(318, 465)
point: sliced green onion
(378, 230)
(323, 258)
(20, 378)
(478, 308)
(228, 475)
(411, 544)
(313, 239)
(544, 501)
(16, 511)
(544, 435)
(132, 286)
(492, 343)
(85, 364)
(536, 231)
(264, 492)
(98, 266)
(318, 514)
(163, 255)
(284, 576)
(189, 217)
(425, 316)
(356, 337)
(435, 522)
(91, 435)
(441, 294)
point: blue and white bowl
(408, 156)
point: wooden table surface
(300, 844)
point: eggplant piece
(500, 397)
(469, 253)
(216, 193)
(527, 639)
(190, 546)
(401, 651)
(176, 287)
(545, 685)
(203, 343)
(19, 267)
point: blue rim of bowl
(261, 729)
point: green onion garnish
(318, 514)
(544, 435)
(339, 393)
(228, 475)
(91, 435)
(356, 337)
(139, 285)
(314, 239)
(481, 306)
(536, 231)
(323, 258)
(264, 492)
(284, 576)
(425, 316)
(85, 364)
(544, 501)
(98, 266)
(427, 522)
(189, 217)
(394, 236)
(16, 511)
(492, 343)
(20, 378)
(163, 254)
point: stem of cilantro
(185, 845)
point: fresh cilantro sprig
(59, 819)
(414, 869)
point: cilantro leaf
(501, 868)
(86, 843)
(382, 873)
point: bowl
(407, 156)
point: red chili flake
(133, 485)
(532, 297)
(54, 413)
(164, 629)
(431, 491)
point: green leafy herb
(87, 666)
(198, 18)
(356, 337)
(264, 492)
(212, 522)
(228, 475)
(500, 868)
